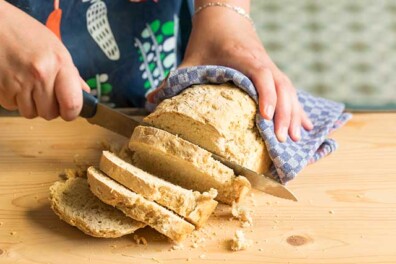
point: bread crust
(137, 207)
(219, 118)
(61, 196)
(192, 205)
(183, 163)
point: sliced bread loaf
(183, 163)
(137, 207)
(219, 118)
(75, 204)
(192, 205)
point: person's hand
(37, 75)
(221, 36)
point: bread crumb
(194, 245)
(331, 212)
(1, 223)
(246, 224)
(74, 173)
(241, 213)
(211, 194)
(13, 233)
(202, 256)
(113, 246)
(188, 259)
(239, 242)
(178, 247)
(107, 145)
(140, 240)
(156, 260)
(260, 249)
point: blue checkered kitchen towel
(290, 157)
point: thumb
(84, 85)
(150, 96)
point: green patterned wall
(340, 49)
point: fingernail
(297, 132)
(282, 134)
(269, 111)
(311, 124)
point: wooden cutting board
(346, 211)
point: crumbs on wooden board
(240, 212)
(177, 247)
(139, 240)
(240, 242)
(155, 260)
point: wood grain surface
(346, 211)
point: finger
(265, 86)
(282, 112)
(305, 121)
(46, 105)
(150, 96)
(43, 93)
(8, 103)
(26, 105)
(295, 122)
(9, 88)
(68, 92)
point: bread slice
(75, 204)
(192, 205)
(183, 163)
(137, 207)
(219, 118)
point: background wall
(340, 49)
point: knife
(99, 114)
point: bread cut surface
(192, 205)
(137, 207)
(181, 162)
(219, 118)
(75, 204)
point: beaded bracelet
(236, 9)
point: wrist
(244, 4)
(221, 13)
(221, 8)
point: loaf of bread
(181, 162)
(75, 204)
(173, 181)
(219, 118)
(137, 207)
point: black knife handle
(90, 104)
